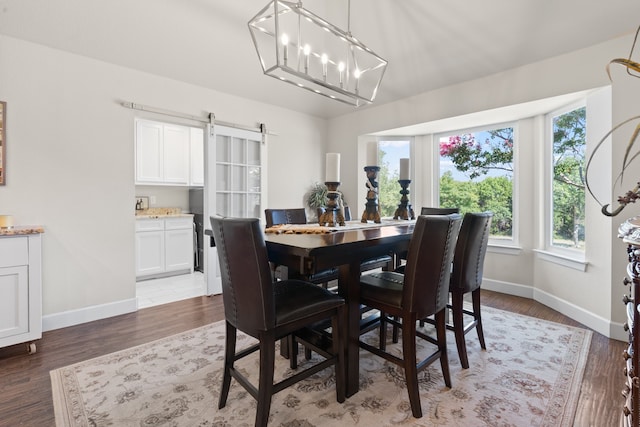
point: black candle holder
(404, 211)
(371, 211)
(332, 214)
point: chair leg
(383, 332)
(410, 368)
(441, 335)
(265, 387)
(458, 327)
(229, 353)
(475, 296)
(394, 336)
(293, 352)
(339, 339)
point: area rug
(530, 375)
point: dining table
(307, 249)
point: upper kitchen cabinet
(196, 166)
(162, 153)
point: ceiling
(429, 44)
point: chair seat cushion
(384, 287)
(295, 299)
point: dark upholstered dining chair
(425, 211)
(285, 216)
(296, 216)
(438, 211)
(468, 264)
(422, 291)
(269, 311)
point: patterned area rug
(530, 375)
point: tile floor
(168, 289)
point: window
(567, 213)
(389, 154)
(476, 174)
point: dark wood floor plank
(25, 387)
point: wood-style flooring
(25, 387)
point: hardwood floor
(25, 387)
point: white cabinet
(196, 165)
(20, 289)
(162, 153)
(164, 246)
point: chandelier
(300, 48)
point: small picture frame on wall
(3, 142)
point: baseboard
(508, 288)
(599, 324)
(88, 314)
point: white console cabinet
(20, 289)
(164, 246)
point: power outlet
(152, 200)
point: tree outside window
(568, 186)
(476, 174)
(389, 155)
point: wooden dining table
(305, 253)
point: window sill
(504, 249)
(564, 260)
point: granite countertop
(161, 213)
(21, 230)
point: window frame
(500, 245)
(571, 255)
(412, 162)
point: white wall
(591, 297)
(70, 166)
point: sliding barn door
(235, 178)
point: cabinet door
(14, 301)
(179, 249)
(149, 252)
(196, 169)
(176, 154)
(149, 152)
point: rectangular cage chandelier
(298, 47)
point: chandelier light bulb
(285, 47)
(306, 51)
(324, 59)
(340, 71)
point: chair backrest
(468, 261)
(428, 268)
(285, 216)
(247, 287)
(438, 211)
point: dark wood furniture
(421, 292)
(269, 311)
(438, 211)
(308, 253)
(631, 388)
(468, 265)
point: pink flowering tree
(477, 158)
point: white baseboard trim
(599, 324)
(508, 288)
(88, 314)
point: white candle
(332, 173)
(404, 168)
(372, 153)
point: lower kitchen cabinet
(164, 246)
(20, 290)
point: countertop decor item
(298, 47)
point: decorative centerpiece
(404, 211)
(333, 213)
(372, 211)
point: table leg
(349, 288)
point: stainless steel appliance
(196, 207)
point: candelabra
(371, 212)
(404, 211)
(333, 214)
